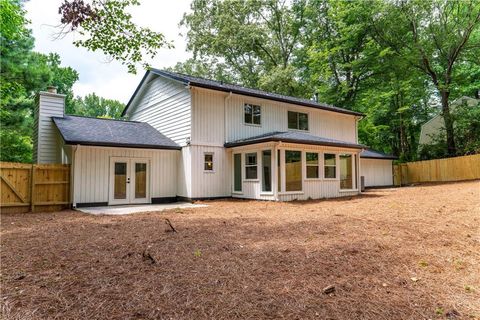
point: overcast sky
(108, 79)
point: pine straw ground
(410, 253)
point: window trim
(261, 113)
(271, 172)
(233, 173)
(298, 123)
(312, 165)
(213, 162)
(251, 165)
(354, 172)
(325, 165)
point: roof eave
(135, 93)
(121, 145)
(297, 141)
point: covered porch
(290, 166)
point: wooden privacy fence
(34, 187)
(448, 169)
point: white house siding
(274, 118)
(210, 184)
(47, 141)
(184, 173)
(208, 114)
(165, 105)
(91, 179)
(377, 172)
(312, 188)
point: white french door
(129, 180)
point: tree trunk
(447, 117)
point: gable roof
(226, 87)
(111, 133)
(293, 137)
(373, 154)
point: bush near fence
(438, 170)
(34, 187)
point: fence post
(32, 188)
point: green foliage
(396, 61)
(94, 106)
(254, 41)
(467, 129)
(107, 26)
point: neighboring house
(434, 127)
(192, 138)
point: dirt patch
(410, 253)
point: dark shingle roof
(112, 133)
(293, 137)
(226, 87)
(373, 154)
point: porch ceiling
(293, 137)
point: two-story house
(192, 138)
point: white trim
(250, 165)
(261, 114)
(130, 173)
(308, 121)
(213, 162)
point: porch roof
(373, 154)
(111, 133)
(294, 137)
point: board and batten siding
(377, 172)
(165, 105)
(91, 171)
(218, 117)
(47, 142)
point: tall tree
(23, 73)
(254, 40)
(94, 106)
(434, 37)
(106, 25)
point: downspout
(227, 98)
(72, 175)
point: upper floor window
(253, 114)
(297, 120)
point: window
(346, 171)
(297, 120)
(251, 165)
(330, 166)
(237, 172)
(267, 170)
(208, 162)
(293, 170)
(253, 114)
(312, 165)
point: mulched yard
(409, 253)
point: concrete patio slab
(130, 209)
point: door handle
(128, 180)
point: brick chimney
(47, 143)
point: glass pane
(237, 172)
(256, 114)
(312, 172)
(292, 120)
(251, 172)
(329, 159)
(293, 170)
(120, 183)
(208, 165)
(248, 113)
(330, 172)
(251, 159)
(140, 180)
(267, 170)
(312, 158)
(303, 121)
(346, 176)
